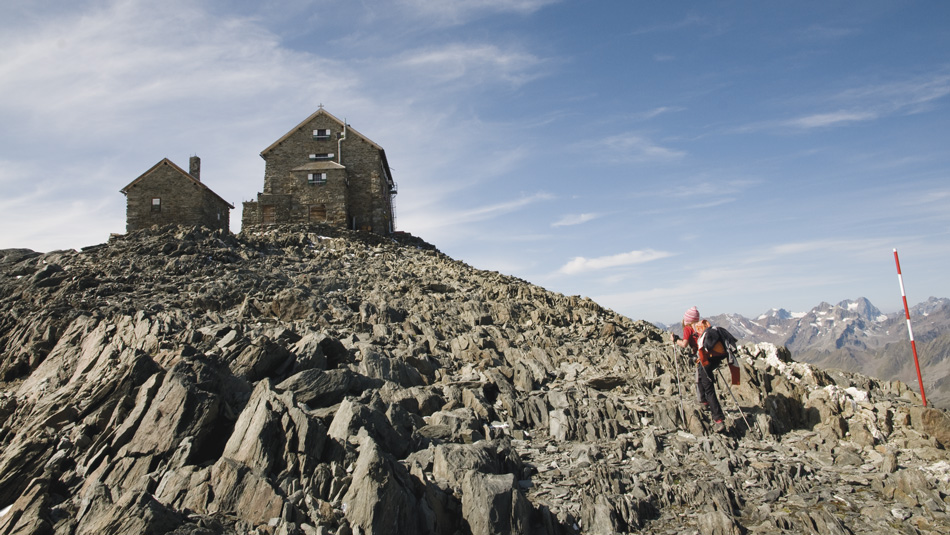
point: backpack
(732, 352)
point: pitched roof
(321, 111)
(166, 161)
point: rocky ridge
(309, 380)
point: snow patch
(939, 471)
(799, 315)
(858, 395)
(850, 395)
(793, 371)
(5, 510)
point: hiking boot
(719, 426)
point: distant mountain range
(854, 335)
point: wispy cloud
(454, 12)
(493, 210)
(829, 245)
(822, 32)
(819, 253)
(575, 219)
(820, 120)
(116, 66)
(581, 265)
(483, 62)
(691, 20)
(713, 203)
(632, 147)
(74, 221)
(707, 188)
(901, 95)
(662, 110)
(868, 103)
(436, 221)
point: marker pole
(910, 331)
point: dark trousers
(707, 389)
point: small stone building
(168, 195)
(323, 171)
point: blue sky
(737, 156)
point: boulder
(321, 388)
(492, 503)
(933, 422)
(353, 416)
(382, 497)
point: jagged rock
(377, 366)
(353, 416)
(261, 358)
(313, 380)
(717, 523)
(934, 422)
(492, 503)
(381, 498)
(134, 512)
(30, 514)
(452, 461)
(272, 431)
(321, 388)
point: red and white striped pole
(910, 331)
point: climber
(689, 341)
(710, 353)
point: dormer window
(321, 157)
(316, 178)
(323, 133)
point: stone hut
(168, 195)
(324, 171)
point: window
(323, 133)
(316, 178)
(318, 212)
(156, 204)
(321, 157)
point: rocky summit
(307, 380)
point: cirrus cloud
(574, 219)
(580, 264)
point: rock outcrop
(309, 380)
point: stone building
(168, 195)
(324, 171)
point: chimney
(194, 167)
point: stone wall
(182, 201)
(356, 193)
(369, 197)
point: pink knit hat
(691, 315)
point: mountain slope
(309, 380)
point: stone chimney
(194, 167)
